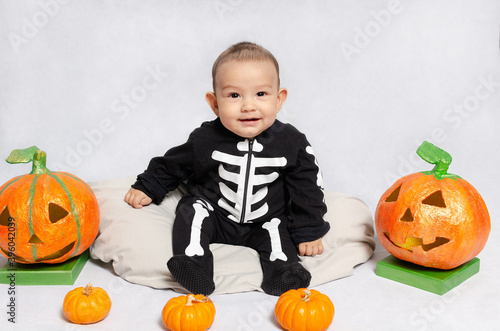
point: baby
(251, 180)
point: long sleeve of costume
(166, 173)
(307, 206)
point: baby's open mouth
(249, 120)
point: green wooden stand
(428, 279)
(44, 274)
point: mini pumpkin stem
(307, 294)
(192, 299)
(88, 289)
(31, 154)
(440, 158)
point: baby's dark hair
(244, 51)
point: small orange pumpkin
(188, 313)
(45, 216)
(434, 219)
(304, 310)
(86, 305)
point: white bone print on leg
(200, 213)
(277, 251)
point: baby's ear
(282, 94)
(212, 102)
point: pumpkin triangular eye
(407, 217)
(435, 199)
(35, 240)
(4, 217)
(56, 212)
(394, 195)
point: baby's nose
(248, 106)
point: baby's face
(247, 97)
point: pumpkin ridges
(479, 212)
(383, 210)
(32, 191)
(286, 312)
(327, 314)
(16, 204)
(60, 173)
(396, 227)
(294, 312)
(296, 315)
(9, 183)
(204, 310)
(178, 315)
(43, 195)
(29, 194)
(322, 301)
(86, 309)
(411, 200)
(91, 202)
(177, 319)
(300, 313)
(457, 225)
(78, 309)
(74, 211)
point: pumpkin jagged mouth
(411, 242)
(51, 256)
(57, 254)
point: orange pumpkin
(304, 310)
(45, 216)
(434, 219)
(86, 305)
(188, 313)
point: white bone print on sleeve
(319, 180)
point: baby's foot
(191, 275)
(294, 276)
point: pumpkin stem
(39, 163)
(440, 158)
(88, 289)
(307, 293)
(192, 299)
(31, 154)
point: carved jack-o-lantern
(45, 216)
(433, 218)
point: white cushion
(138, 242)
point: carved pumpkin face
(46, 217)
(432, 219)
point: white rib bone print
(246, 180)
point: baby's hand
(137, 198)
(311, 248)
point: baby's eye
(234, 95)
(261, 94)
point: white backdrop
(103, 86)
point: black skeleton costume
(265, 193)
